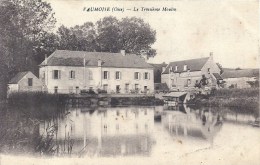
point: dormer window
(185, 68)
(176, 68)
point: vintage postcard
(129, 82)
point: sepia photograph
(129, 82)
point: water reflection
(184, 122)
(118, 131)
(105, 131)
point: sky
(228, 28)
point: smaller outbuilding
(241, 78)
(24, 82)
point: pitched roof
(192, 64)
(240, 73)
(18, 77)
(76, 58)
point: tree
(82, 38)
(23, 23)
(108, 35)
(137, 36)
(130, 34)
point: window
(105, 75)
(72, 74)
(146, 76)
(185, 67)
(43, 75)
(70, 89)
(90, 75)
(126, 88)
(56, 89)
(56, 74)
(118, 89)
(137, 75)
(105, 87)
(136, 86)
(30, 82)
(118, 75)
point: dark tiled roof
(240, 73)
(217, 76)
(193, 65)
(18, 77)
(76, 58)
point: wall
(180, 79)
(238, 82)
(83, 81)
(23, 84)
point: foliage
(110, 35)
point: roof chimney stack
(211, 55)
(99, 62)
(122, 52)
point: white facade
(240, 82)
(72, 79)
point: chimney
(122, 52)
(99, 62)
(211, 55)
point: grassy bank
(243, 100)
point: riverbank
(40, 99)
(243, 100)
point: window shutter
(59, 74)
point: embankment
(243, 100)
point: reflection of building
(67, 71)
(191, 123)
(111, 131)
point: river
(154, 134)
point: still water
(148, 132)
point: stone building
(242, 78)
(183, 75)
(72, 71)
(24, 82)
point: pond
(158, 133)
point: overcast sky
(229, 29)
